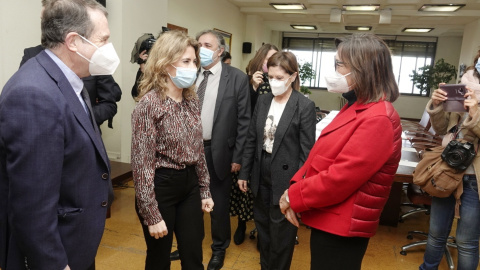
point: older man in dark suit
(54, 171)
(103, 91)
(225, 101)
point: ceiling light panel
(303, 27)
(288, 6)
(361, 7)
(441, 8)
(417, 30)
(358, 28)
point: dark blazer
(230, 120)
(103, 91)
(294, 137)
(54, 173)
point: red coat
(350, 170)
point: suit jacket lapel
(73, 102)
(262, 115)
(287, 115)
(222, 87)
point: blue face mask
(206, 56)
(185, 77)
(477, 66)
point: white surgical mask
(104, 60)
(185, 77)
(278, 87)
(206, 56)
(337, 83)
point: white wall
(19, 28)
(128, 21)
(471, 43)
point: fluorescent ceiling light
(284, 6)
(417, 30)
(361, 7)
(358, 28)
(441, 8)
(303, 27)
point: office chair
(418, 197)
(419, 200)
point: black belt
(207, 142)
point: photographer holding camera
(139, 55)
(463, 129)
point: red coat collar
(346, 115)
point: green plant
(306, 73)
(430, 76)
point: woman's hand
(158, 230)
(292, 217)
(471, 104)
(439, 96)
(207, 205)
(284, 204)
(242, 185)
(143, 55)
(235, 167)
(257, 79)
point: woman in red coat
(343, 186)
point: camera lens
(456, 157)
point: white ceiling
(404, 14)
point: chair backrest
(425, 120)
(417, 196)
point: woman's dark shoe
(239, 235)
(174, 256)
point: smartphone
(455, 97)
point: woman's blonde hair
(168, 49)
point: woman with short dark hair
(343, 186)
(281, 133)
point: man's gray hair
(61, 17)
(220, 39)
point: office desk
(120, 172)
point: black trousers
(276, 235)
(220, 217)
(178, 196)
(330, 251)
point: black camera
(147, 44)
(458, 155)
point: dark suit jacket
(294, 137)
(230, 120)
(104, 92)
(54, 173)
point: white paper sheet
(408, 163)
(409, 149)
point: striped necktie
(202, 87)
(86, 99)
